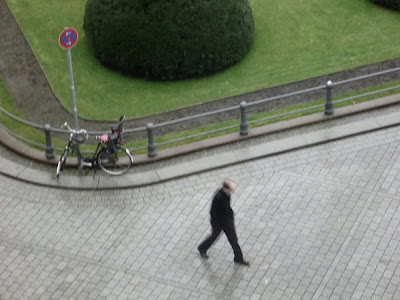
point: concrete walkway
(317, 215)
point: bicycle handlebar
(75, 132)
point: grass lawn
(294, 40)
(18, 128)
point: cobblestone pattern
(318, 223)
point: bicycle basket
(80, 138)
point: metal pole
(74, 110)
(151, 146)
(329, 103)
(244, 128)
(72, 88)
(49, 145)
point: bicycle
(110, 156)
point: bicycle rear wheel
(61, 162)
(115, 163)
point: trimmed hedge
(169, 39)
(393, 4)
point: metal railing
(241, 108)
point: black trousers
(229, 229)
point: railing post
(151, 146)
(329, 103)
(49, 146)
(244, 127)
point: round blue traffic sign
(68, 38)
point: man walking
(222, 219)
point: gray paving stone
(316, 223)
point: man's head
(228, 186)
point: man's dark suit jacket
(221, 211)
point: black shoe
(242, 262)
(203, 254)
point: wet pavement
(319, 221)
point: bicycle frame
(92, 162)
(106, 155)
(87, 161)
(73, 146)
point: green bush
(169, 39)
(393, 4)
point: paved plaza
(321, 222)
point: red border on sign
(66, 35)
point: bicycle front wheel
(115, 163)
(61, 162)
